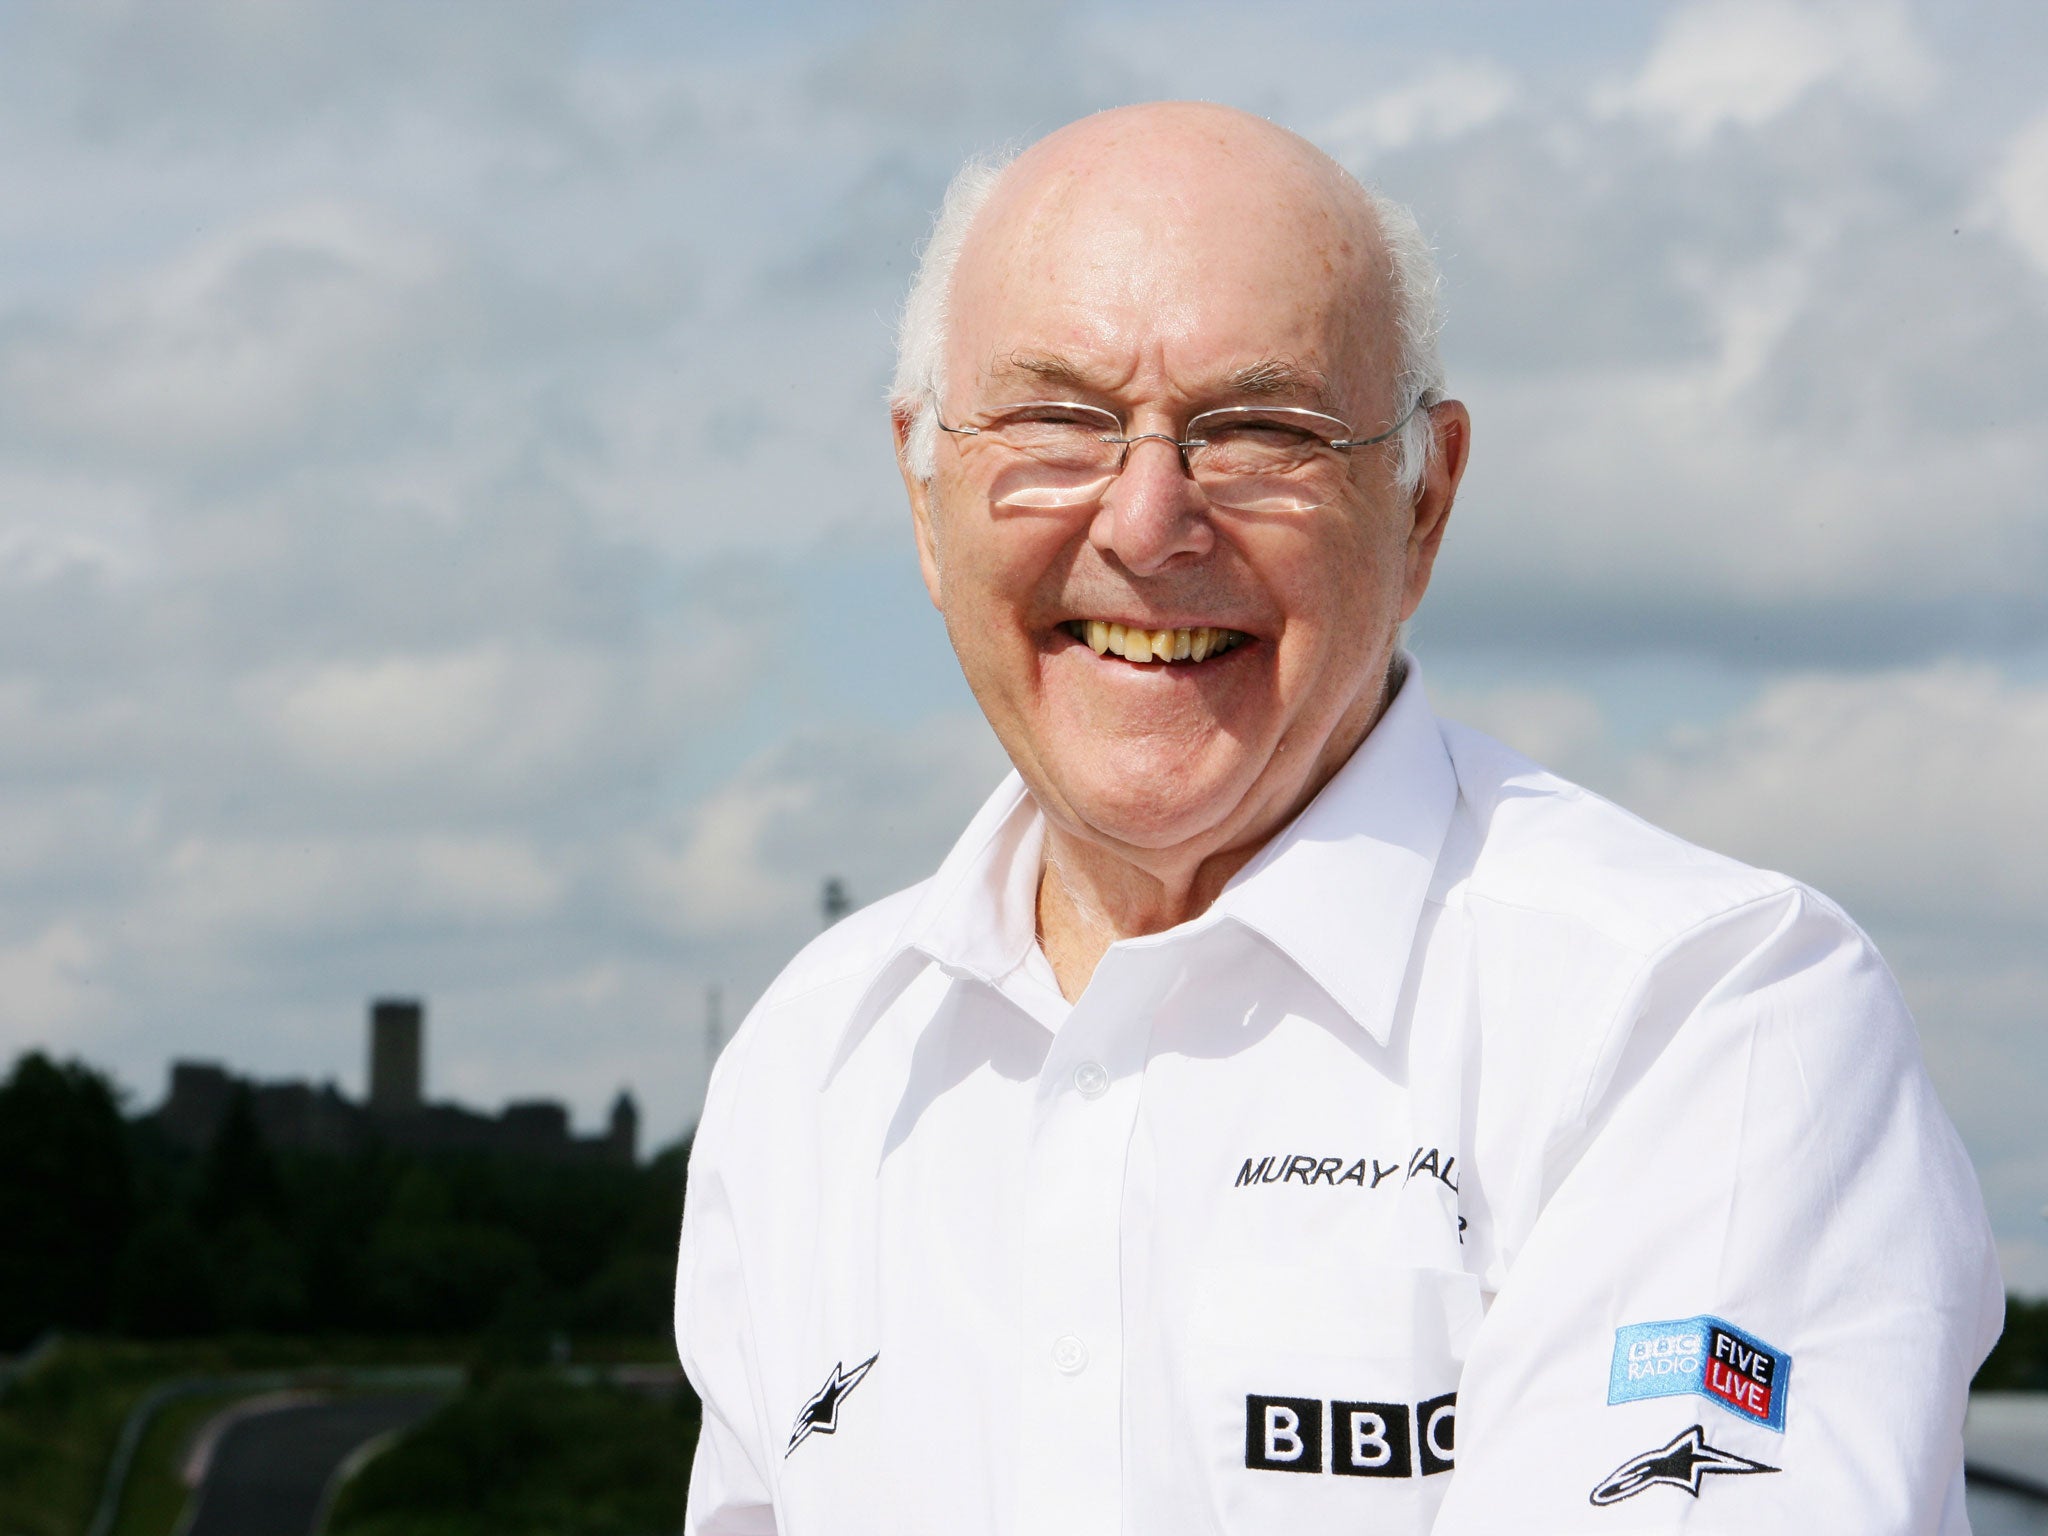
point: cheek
(992, 564)
(990, 576)
(1342, 602)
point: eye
(1057, 415)
(1259, 431)
(1251, 423)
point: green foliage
(59, 1421)
(67, 1198)
(528, 1456)
(156, 1495)
(58, 1425)
(2018, 1362)
(166, 1287)
(250, 1238)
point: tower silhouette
(397, 1025)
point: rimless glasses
(1247, 458)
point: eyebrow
(1272, 378)
(1276, 377)
(1053, 372)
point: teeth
(1145, 646)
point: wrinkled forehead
(1174, 264)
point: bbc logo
(1285, 1434)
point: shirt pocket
(1317, 1398)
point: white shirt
(1483, 1160)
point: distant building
(625, 1128)
(834, 901)
(397, 1035)
(199, 1096)
(299, 1116)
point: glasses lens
(1063, 436)
(1059, 454)
(1028, 485)
(1063, 453)
(1255, 461)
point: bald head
(1206, 169)
(1178, 208)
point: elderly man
(1285, 1110)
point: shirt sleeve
(1762, 1279)
(729, 1487)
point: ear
(1451, 425)
(920, 493)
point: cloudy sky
(449, 542)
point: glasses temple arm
(1367, 442)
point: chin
(1157, 810)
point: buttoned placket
(1069, 1467)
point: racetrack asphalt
(269, 1474)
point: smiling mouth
(1202, 643)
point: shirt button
(1069, 1354)
(1091, 1078)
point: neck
(1091, 893)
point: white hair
(1412, 279)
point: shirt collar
(1339, 891)
(976, 918)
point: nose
(1153, 512)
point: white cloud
(1916, 791)
(1748, 62)
(48, 981)
(1558, 726)
(496, 724)
(399, 717)
(1619, 483)
(1908, 794)
(712, 878)
(56, 523)
(1445, 102)
(2017, 194)
(246, 336)
(871, 807)
(225, 892)
(493, 878)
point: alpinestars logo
(1681, 1464)
(820, 1416)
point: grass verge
(530, 1455)
(59, 1421)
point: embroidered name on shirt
(1703, 1357)
(1366, 1173)
(1286, 1434)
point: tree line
(104, 1226)
(107, 1227)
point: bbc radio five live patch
(1701, 1357)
